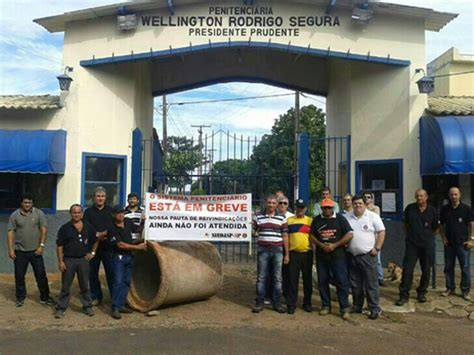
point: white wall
(378, 105)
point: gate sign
(200, 218)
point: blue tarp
(447, 145)
(38, 151)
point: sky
(21, 40)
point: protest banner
(203, 218)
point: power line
(177, 118)
(227, 100)
(313, 98)
(176, 126)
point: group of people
(347, 243)
(100, 234)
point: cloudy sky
(21, 40)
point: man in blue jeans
(331, 232)
(457, 228)
(120, 235)
(272, 230)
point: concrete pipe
(174, 272)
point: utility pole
(200, 127)
(211, 164)
(165, 125)
(296, 161)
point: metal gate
(223, 163)
(333, 169)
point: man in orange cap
(331, 232)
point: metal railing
(232, 252)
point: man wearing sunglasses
(285, 272)
(283, 206)
(370, 205)
(331, 232)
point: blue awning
(447, 145)
(39, 151)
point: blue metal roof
(38, 151)
(317, 52)
(447, 145)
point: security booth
(363, 59)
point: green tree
(228, 177)
(273, 156)
(235, 176)
(270, 167)
(183, 157)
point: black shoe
(279, 308)
(421, 298)
(291, 310)
(59, 314)
(257, 308)
(308, 308)
(355, 310)
(19, 303)
(116, 315)
(374, 315)
(401, 301)
(126, 309)
(88, 311)
(47, 302)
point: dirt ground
(224, 324)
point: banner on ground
(200, 218)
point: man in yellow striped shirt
(301, 257)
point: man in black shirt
(120, 236)
(76, 245)
(331, 232)
(99, 216)
(457, 227)
(421, 224)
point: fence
(335, 157)
(232, 252)
(225, 163)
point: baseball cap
(117, 209)
(327, 202)
(300, 203)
